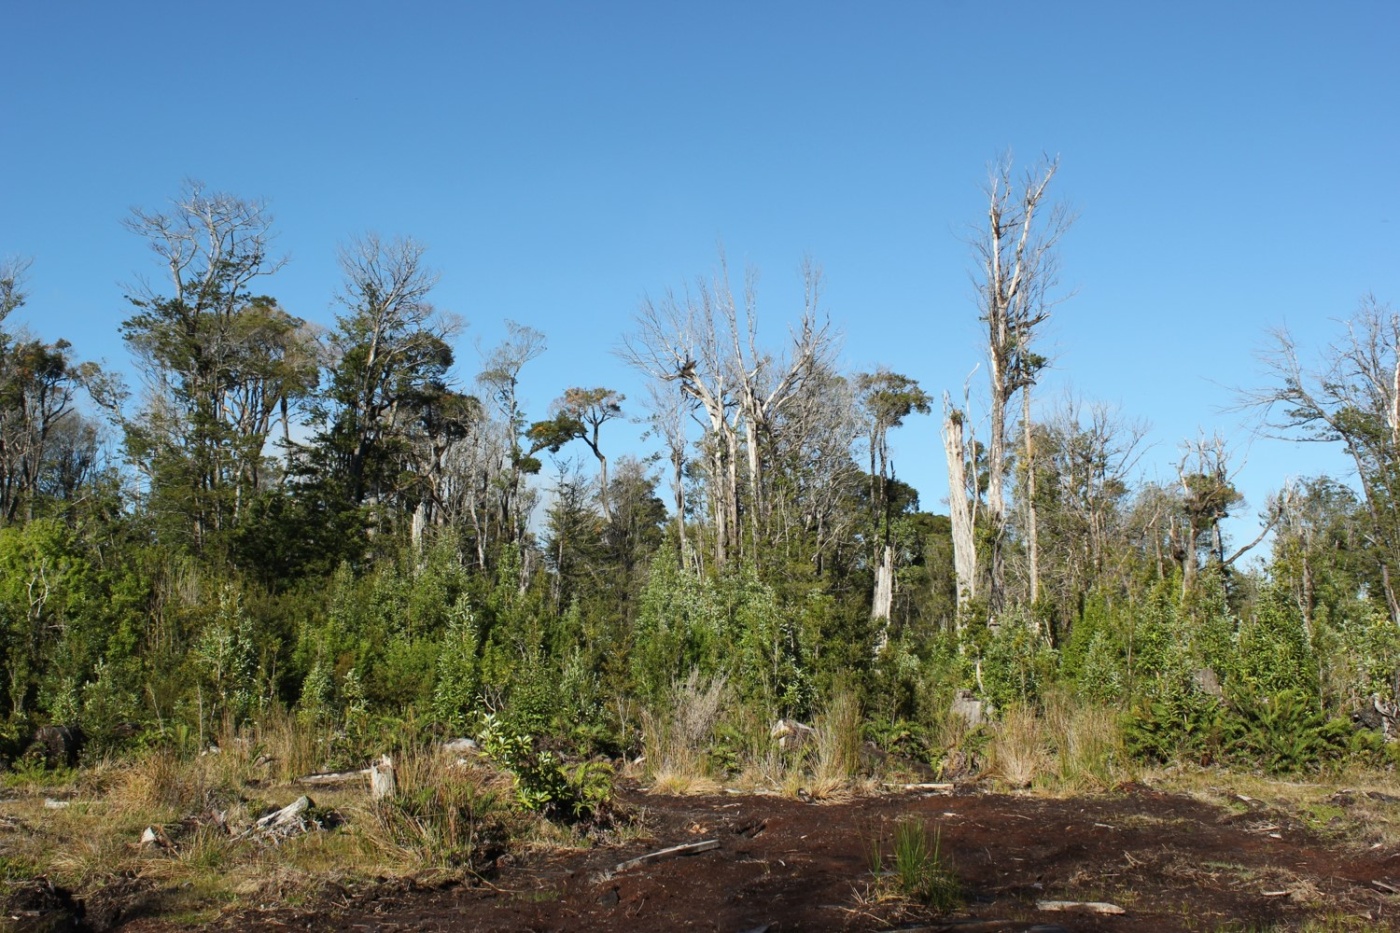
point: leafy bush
(1017, 662)
(1284, 732)
(1176, 724)
(543, 783)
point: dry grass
(1086, 742)
(837, 742)
(1069, 747)
(677, 740)
(447, 816)
(446, 813)
(1019, 749)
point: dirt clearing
(1168, 861)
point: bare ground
(1170, 862)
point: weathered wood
(156, 837)
(939, 787)
(1093, 907)
(789, 733)
(333, 778)
(381, 779)
(289, 814)
(689, 848)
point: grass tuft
(915, 867)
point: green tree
(47, 450)
(886, 398)
(1351, 397)
(222, 366)
(388, 414)
(579, 414)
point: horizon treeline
(320, 521)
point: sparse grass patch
(1018, 751)
(912, 866)
(1086, 742)
(445, 815)
(678, 739)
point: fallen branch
(690, 848)
(939, 787)
(333, 778)
(1093, 907)
(291, 813)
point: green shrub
(1284, 732)
(543, 783)
(1172, 725)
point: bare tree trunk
(884, 598)
(960, 506)
(1032, 516)
(1018, 267)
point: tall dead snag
(1017, 267)
(960, 503)
(676, 342)
(707, 344)
(765, 385)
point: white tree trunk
(960, 506)
(884, 598)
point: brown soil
(1169, 861)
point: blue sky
(1234, 167)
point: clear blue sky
(1235, 167)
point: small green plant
(542, 782)
(916, 867)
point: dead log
(939, 787)
(690, 848)
(333, 778)
(790, 734)
(289, 815)
(1093, 907)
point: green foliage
(1284, 732)
(916, 866)
(543, 783)
(1273, 652)
(226, 656)
(457, 691)
(1017, 662)
(1180, 724)
(733, 626)
(63, 611)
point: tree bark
(960, 507)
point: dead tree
(1017, 269)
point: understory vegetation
(298, 550)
